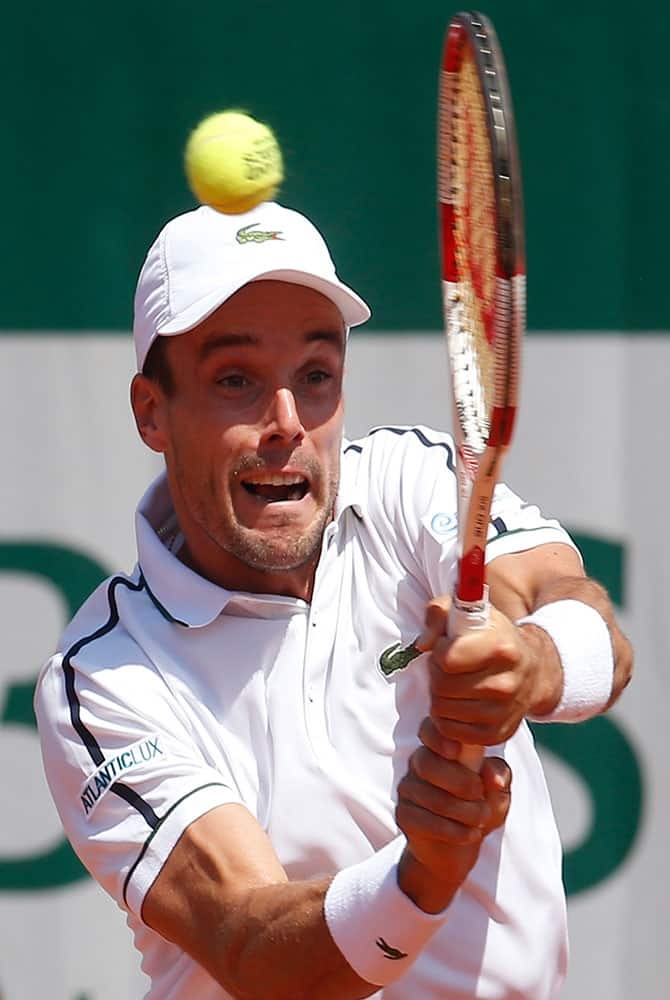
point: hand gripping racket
(484, 288)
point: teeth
(275, 480)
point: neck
(226, 571)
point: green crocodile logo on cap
(244, 235)
(394, 658)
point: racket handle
(468, 616)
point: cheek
(330, 440)
(187, 438)
(198, 443)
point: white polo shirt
(170, 696)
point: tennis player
(252, 739)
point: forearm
(592, 594)
(247, 925)
(523, 582)
(224, 898)
(304, 930)
(277, 936)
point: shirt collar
(179, 593)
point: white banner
(584, 450)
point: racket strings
(471, 304)
(473, 395)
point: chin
(256, 550)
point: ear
(148, 403)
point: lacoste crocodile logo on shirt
(395, 658)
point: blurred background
(97, 107)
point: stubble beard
(283, 550)
(274, 555)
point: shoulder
(400, 450)
(403, 477)
(99, 616)
(95, 644)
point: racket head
(483, 270)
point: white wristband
(378, 929)
(582, 639)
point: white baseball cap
(203, 257)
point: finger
(497, 778)
(478, 712)
(414, 821)
(475, 733)
(493, 681)
(474, 651)
(437, 614)
(488, 647)
(463, 655)
(496, 774)
(431, 737)
(449, 775)
(443, 804)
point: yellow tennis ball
(233, 162)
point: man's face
(252, 432)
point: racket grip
(468, 616)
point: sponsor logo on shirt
(396, 658)
(443, 524)
(115, 768)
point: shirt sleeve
(515, 526)
(126, 775)
(416, 472)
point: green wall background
(98, 103)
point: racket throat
(471, 587)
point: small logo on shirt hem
(125, 760)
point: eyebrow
(222, 340)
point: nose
(283, 422)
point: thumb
(437, 614)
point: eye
(234, 380)
(317, 377)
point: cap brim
(354, 310)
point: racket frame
(478, 468)
(478, 472)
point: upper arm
(163, 829)
(125, 774)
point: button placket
(319, 643)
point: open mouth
(276, 488)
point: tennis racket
(484, 288)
